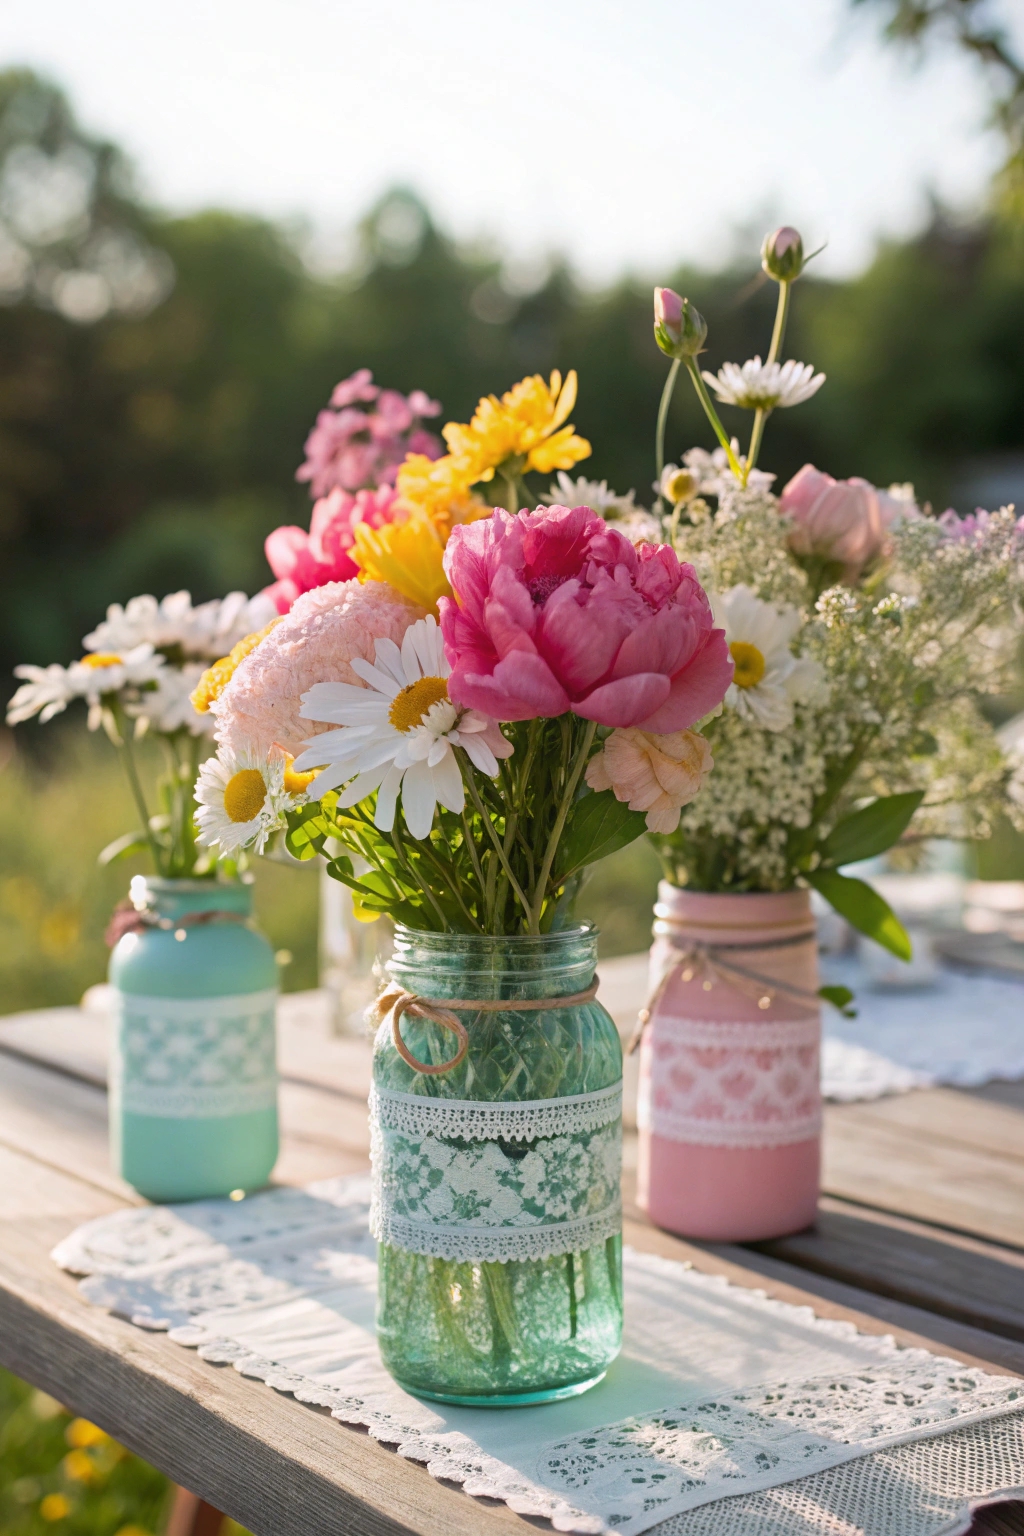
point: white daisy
(204, 633)
(48, 690)
(767, 678)
(242, 798)
(595, 494)
(761, 386)
(168, 707)
(714, 476)
(399, 733)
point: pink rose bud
(679, 328)
(782, 254)
(839, 521)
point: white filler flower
(767, 678)
(761, 386)
(398, 733)
(241, 798)
(204, 633)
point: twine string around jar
(711, 962)
(127, 918)
(396, 1002)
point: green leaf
(841, 998)
(863, 909)
(308, 831)
(374, 895)
(121, 847)
(870, 831)
(598, 825)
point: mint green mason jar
(495, 1197)
(193, 1074)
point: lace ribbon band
(395, 1002)
(476, 1181)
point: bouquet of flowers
(864, 634)
(139, 670)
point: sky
(629, 134)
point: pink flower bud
(843, 522)
(679, 328)
(782, 254)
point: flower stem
(778, 336)
(659, 435)
(492, 832)
(131, 772)
(540, 890)
(712, 415)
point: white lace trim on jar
(194, 1058)
(495, 1186)
(731, 1084)
(479, 1120)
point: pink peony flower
(845, 521)
(314, 643)
(303, 560)
(361, 441)
(556, 611)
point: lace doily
(718, 1084)
(183, 1057)
(802, 1422)
(537, 1179)
(964, 1030)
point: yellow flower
(440, 490)
(55, 1507)
(79, 1466)
(407, 555)
(526, 424)
(216, 678)
(81, 1434)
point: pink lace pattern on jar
(731, 1084)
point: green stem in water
(712, 415)
(540, 890)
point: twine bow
(710, 962)
(397, 1002)
(127, 918)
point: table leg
(192, 1516)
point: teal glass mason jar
(496, 1199)
(193, 1074)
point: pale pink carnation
(314, 643)
(656, 774)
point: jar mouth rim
(584, 930)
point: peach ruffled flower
(656, 774)
(314, 643)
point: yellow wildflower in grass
(55, 1507)
(525, 424)
(80, 1467)
(407, 556)
(81, 1434)
(216, 678)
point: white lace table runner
(727, 1414)
(962, 1031)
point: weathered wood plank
(960, 1277)
(948, 1118)
(277, 1466)
(898, 1168)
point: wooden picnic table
(920, 1234)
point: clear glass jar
(500, 1229)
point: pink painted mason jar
(729, 1109)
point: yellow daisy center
(101, 659)
(409, 707)
(749, 664)
(245, 794)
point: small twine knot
(397, 1002)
